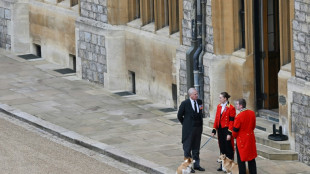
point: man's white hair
(191, 90)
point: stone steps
(275, 154)
(273, 150)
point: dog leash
(206, 142)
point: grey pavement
(129, 128)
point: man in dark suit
(190, 116)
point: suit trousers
(241, 164)
(191, 145)
(225, 146)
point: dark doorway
(174, 95)
(37, 50)
(267, 52)
(132, 81)
(72, 62)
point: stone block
(209, 3)
(89, 75)
(295, 108)
(300, 16)
(94, 8)
(183, 64)
(82, 45)
(94, 39)
(103, 2)
(187, 5)
(99, 67)
(304, 8)
(187, 15)
(102, 51)
(296, 25)
(297, 5)
(87, 37)
(101, 59)
(87, 6)
(95, 57)
(1, 12)
(96, 2)
(93, 66)
(206, 80)
(305, 28)
(97, 49)
(296, 45)
(301, 37)
(299, 56)
(100, 9)
(182, 73)
(101, 41)
(89, 55)
(7, 14)
(209, 10)
(103, 18)
(209, 20)
(183, 80)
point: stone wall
(300, 108)
(300, 102)
(186, 22)
(5, 37)
(91, 50)
(209, 53)
(94, 9)
(301, 39)
(181, 52)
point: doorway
(267, 52)
(132, 81)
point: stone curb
(73, 137)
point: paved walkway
(130, 124)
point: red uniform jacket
(227, 119)
(243, 131)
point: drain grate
(124, 93)
(175, 120)
(65, 71)
(29, 56)
(168, 110)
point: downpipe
(200, 64)
(194, 46)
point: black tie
(195, 107)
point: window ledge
(149, 27)
(287, 67)
(65, 4)
(137, 23)
(240, 53)
(163, 32)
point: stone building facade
(141, 46)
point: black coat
(188, 118)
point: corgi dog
(186, 166)
(228, 165)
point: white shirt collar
(223, 105)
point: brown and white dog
(186, 166)
(228, 165)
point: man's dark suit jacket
(188, 118)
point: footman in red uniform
(243, 131)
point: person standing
(243, 131)
(223, 125)
(190, 116)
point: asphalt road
(25, 149)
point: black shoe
(199, 168)
(192, 171)
(219, 169)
